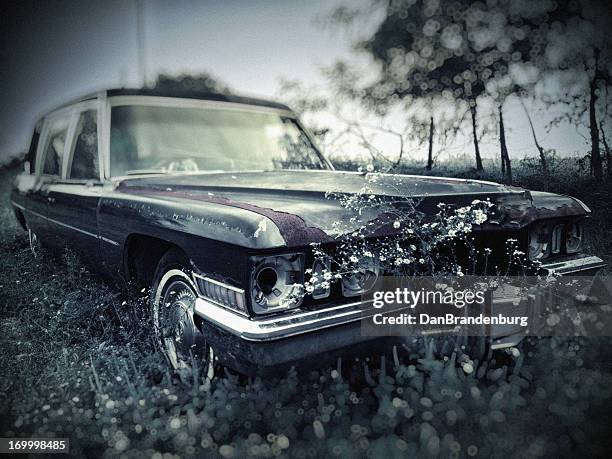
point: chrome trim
(187, 102)
(216, 303)
(65, 225)
(220, 284)
(19, 206)
(584, 206)
(110, 241)
(574, 265)
(219, 305)
(273, 328)
(294, 323)
(556, 239)
(508, 341)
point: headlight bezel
(538, 241)
(281, 292)
(575, 228)
(550, 239)
(366, 277)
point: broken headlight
(573, 237)
(277, 282)
(539, 236)
(321, 272)
(362, 279)
(546, 239)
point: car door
(38, 208)
(75, 195)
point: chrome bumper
(294, 323)
(299, 322)
(278, 327)
(575, 265)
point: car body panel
(282, 196)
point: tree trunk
(607, 149)
(475, 135)
(535, 140)
(596, 166)
(430, 154)
(506, 166)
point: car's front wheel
(173, 296)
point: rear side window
(31, 156)
(85, 157)
(55, 146)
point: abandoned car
(213, 201)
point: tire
(172, 300)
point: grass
(77, 361)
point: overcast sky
(54, 50)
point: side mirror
(26, 167)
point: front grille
(471, 256)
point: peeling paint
(303, 214)
(263, 227)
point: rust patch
(515, 213)
(293, 228)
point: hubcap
(177, 331)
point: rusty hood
(298, 202)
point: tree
(200, 82)
(578, 52)
(458, 50)
(447, 51)
(606, 150)
(430, 151)
(506, 165)
(424, 51)
(605, 118)
(429, 119)
(310, 102)
(540, 148)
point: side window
(31, 155)
(85, 157)
(55, 146)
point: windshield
(151, 139)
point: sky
(56, 50)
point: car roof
(182, 94)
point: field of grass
(77, 361)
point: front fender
(216, 238)
(538, 205)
